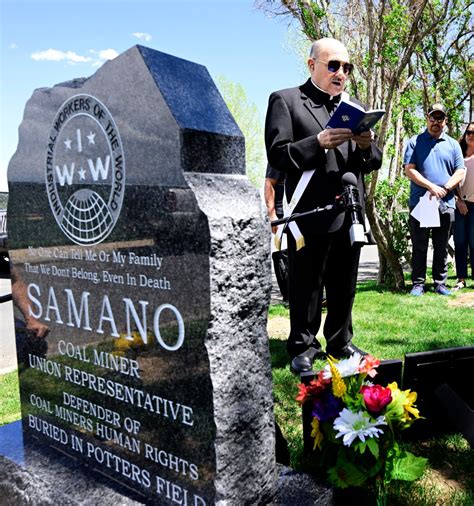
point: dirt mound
(463, 300)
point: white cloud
(102, 56)
(56, 55)
(13, 46)
(142, 36)
(108, 54)
(97, 58)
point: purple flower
(326, 406)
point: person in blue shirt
(434, 162)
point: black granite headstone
(155, 370)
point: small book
(353, 116)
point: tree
(246, 115)
(442, 59)
(388, 40)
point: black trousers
(420, 238)
(326, 260)
(280, 266)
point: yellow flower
(124, 344)
(317, 434)
(393, 386)
(338, 385)
(395, 392)
(405, 401)
(408, 406)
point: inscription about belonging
(121, 382)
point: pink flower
(368, 365)
(376, 397)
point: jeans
(464, 240)
(420, 238)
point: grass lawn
(390, 324)
(9, 398)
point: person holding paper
(464, 222)
(314, 160)
(434, 163)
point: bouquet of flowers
(355, 424)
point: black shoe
(346, 351)
(304, 361)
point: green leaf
(408, 468)
(373, 447)
(345, 474)
(359, 446)
(394, 452)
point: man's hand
(39, 328)
(269, 193)
(272, 216)
(364, 139)
(333, 137)
(437, 191)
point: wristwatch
(446, 188)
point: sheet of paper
(416, 211)
(426, 211)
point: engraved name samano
(68, 308)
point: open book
(353, 116)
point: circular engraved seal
(85, 170)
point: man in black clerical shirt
(314, 159)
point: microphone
(352, 204)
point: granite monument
(138, 241)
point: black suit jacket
(295, 116)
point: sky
(45, 42)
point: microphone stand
(346, 200)
(286, 220)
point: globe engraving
(85, 170)
(86, 217)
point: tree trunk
(395, 163)
(382, 274)
(390, 263)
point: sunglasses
(438, 119)
(335, 65)
(469, 132)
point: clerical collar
(330, 97)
